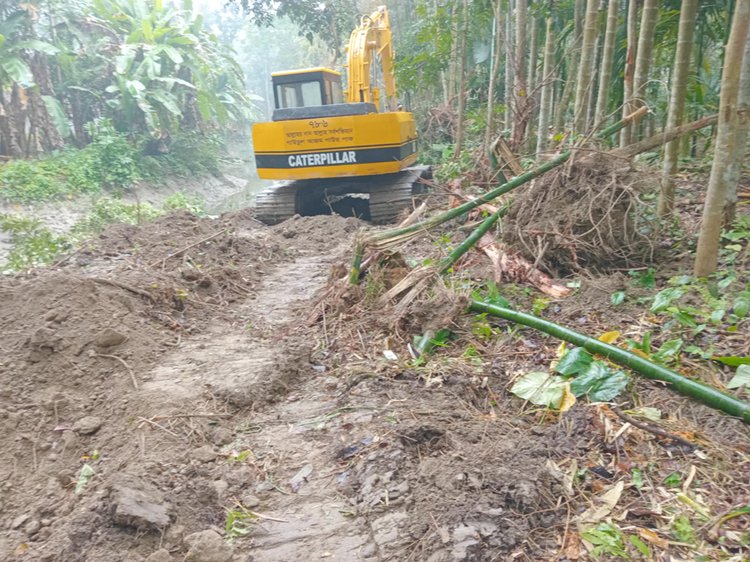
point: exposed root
(586, 215)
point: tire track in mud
(254, 360)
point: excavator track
(378, 199)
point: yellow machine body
(329, 147)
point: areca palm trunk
(548, 89)
(586, 68)
(725, 151)
(605, 73)
(627, 79)
(460, 125)
(649, 16)
(743, 125)
(518, 129)
(677, 102)
(495, 61)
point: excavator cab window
(306, 88)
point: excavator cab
(310, 87)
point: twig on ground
(164, 429)
(124, 363)
(125, 286)
(186, 248)
(650, 428)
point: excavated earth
(166, 379)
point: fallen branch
(663, 138)
(125, 286)
(124, 364)
(388, 238)
(701, 392)
(186, 248)
(651, 428)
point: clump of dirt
(585, 215)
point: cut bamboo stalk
(701, 392)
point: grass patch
(110, 162)
(34, 244)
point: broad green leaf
(732, 360)
(38, 46)
(741, 305)
(665, 297)
(167, 100)
(617, 298)
(741, 377)
(18, 71)
(2, 39)
(640, 546)
(717, 316)
(172, 81)
(669, 349)
(540, 388)
(57, 114)
(599, 383)
(609, 388)
(574, 362)
(173, 54)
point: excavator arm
(370, 42)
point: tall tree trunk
(743, 126)
(509, 66)
(520, 94)
(462, 82)
(676, 113)
(531, 87)
(572, 68)
(725, 150)
(495, 62)
(548, 89)
(605, 73)
(453, 63)
(649, 16)
(586, 68)
(627, 106)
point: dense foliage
(151, 68)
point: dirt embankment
(162, 392)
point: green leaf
(540, 388)
(18, 71)
(57, 114)
(617, 298)
(38, 46)
(669, 349)
(574, 362)
(640, 546)
(717, 316)
(665, 297)
(173, 54)
(599, 383)
(167, 100)
(732, 360)
(741, 377)
(86, 473)
(741, 305)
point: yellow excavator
(351, 156)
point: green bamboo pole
(703, 393)
(472, 239)
(486, 198)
